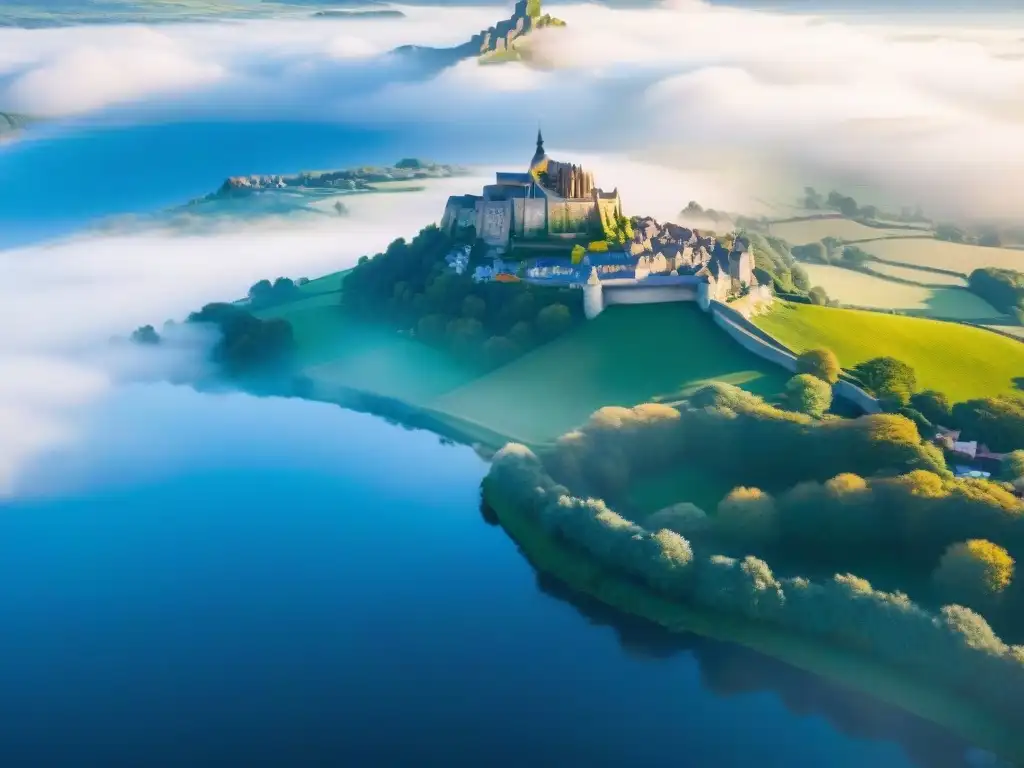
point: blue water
(224, 580)
(64, 177)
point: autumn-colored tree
(974, 572)
(822, 363)
(578, 252)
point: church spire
(540, 142)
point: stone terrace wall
(762, 344)
(652, 294)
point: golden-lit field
(917, 275)
(927, 252)
(962, 361)
(859, 289)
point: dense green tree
(888, 378)
(553, 320)
(801, 280)
(260, 291)
(473, 307)
(145, 335)
(855, 256)
(818, 296)
(247, 344)
(821, 363)
(686, 519)
(747, 517)
(808, 394)
(996, 421)
(411, 281)
(522, 334)
(813, 200)
(933, 405)
(815, 253)
(499, 350)
(1002, 288)
(924, 426)
(431, 328)
(464, 335)
(974, 572)
(1013, 465)
(950, 232)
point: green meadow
(961, 361)
(848, 286)
(627, 355)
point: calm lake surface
(220, 579)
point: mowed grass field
(850, 287)
(961, 361)
(813, 230)
(627, 355)
(928, 252)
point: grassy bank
(627, 355)
(961, 361)
(864, 675)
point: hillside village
(552, 225)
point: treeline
(848, 206)
(1002, 288)
(839, 494)
(775, 265)
(997, 422)
(722, 429)
(409, 286)
(246, 346)
(265, 293)
(989, 236)
(955, 648)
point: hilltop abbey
(551, 199)
(556, 207)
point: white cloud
(685, 101)
(70, 297)
(913, 110)
(85, 76)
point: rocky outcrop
(352, 179)
(497, 43)
(502, 36)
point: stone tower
(593, 295)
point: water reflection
(728, 670)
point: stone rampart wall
(756, 341)
(655, 294)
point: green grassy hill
(627, 355)
(961, 361)
(336, 351)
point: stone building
(550, 200)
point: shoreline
(867, 676)
(484, 440)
